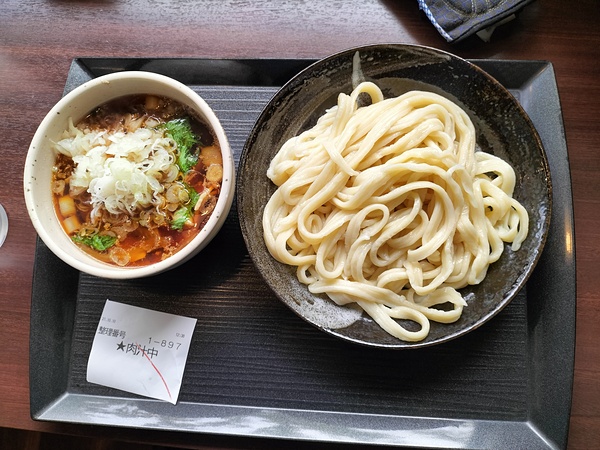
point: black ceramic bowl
(503, 129)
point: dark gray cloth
(457, 19)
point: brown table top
(39, 39)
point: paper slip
(140, 351)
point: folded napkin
(458, 19)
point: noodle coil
(391, 206)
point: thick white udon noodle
(390, 206)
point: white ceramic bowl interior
(40, 159)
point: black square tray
(257, 370)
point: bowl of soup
(129, 175)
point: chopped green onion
(184, 214)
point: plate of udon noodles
(394, 196)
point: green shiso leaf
(181, 132)
(96, 241)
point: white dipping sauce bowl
(41, 157)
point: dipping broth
(136, 179)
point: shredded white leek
(123, 172)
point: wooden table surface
(39, 39)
